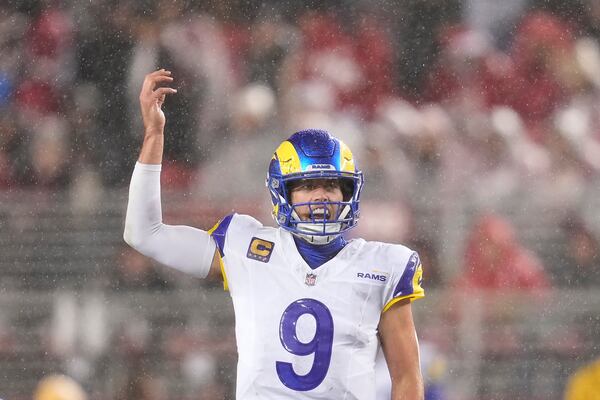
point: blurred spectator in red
(49, 61)
(546, 73)
(50, 36)
(579, 255)
(37, 98)
(494, 259)
(374, 55)
(50, 46)
(496, 263)
(357, 66)
(469, 69)
(324, 57)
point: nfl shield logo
(310, 279)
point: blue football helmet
(314, 154)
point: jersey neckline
(329, 267)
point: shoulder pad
(240, 221)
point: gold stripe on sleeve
(417, 293)
(412, 297)
(222, 264)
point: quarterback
(312, 309)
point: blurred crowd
(447, 109)
(441, 107)
(508, 112)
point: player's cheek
(337, 194)
(302, 211)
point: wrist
(152, 149)
(149, 132)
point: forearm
(184, 248)
(408, 387)
(401, 350)
(152, 148)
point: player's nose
(320, 194)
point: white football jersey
(307, 333)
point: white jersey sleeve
(184, 248)
(406, 276)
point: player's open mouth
(320, 214)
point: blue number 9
(320, 344)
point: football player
(311, 308)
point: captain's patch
(260, 250)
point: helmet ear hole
(291, 185)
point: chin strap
(318, 240)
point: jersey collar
(331, 267)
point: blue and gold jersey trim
(218, 233)
(410, 284)
(222, 265)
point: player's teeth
(320, 212)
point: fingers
(153, 79)
(162, 91)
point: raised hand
(152, 98)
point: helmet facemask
(325, 220)
(319, 228)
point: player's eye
(329, 184)
(302, 186)
(332, 184)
